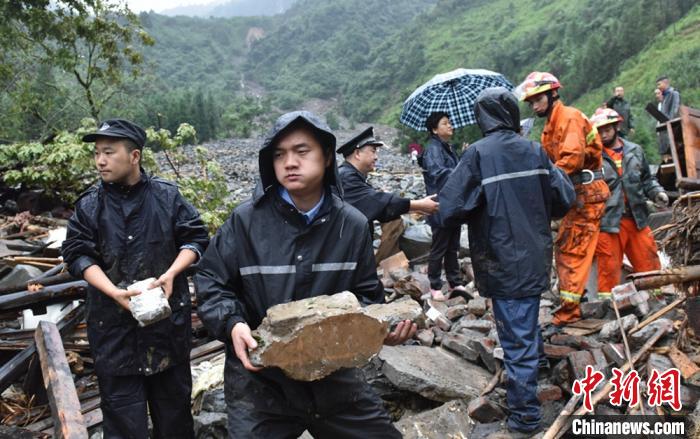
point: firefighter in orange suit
(624, 229)
(572, 143)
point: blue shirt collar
(308, 216)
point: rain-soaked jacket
(266, 254)
(374, 204)
(635, 186)
(507, 189)
(438, 160)
(134, 233)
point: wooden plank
(207, 348)
(63, 399)
(690, 123)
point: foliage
(62, 167)
(319, 46)
(91, 40)
(205, 188)
(241, 117)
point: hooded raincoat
(507, 189)
(266, 254)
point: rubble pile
(681, 238)
(449, 381)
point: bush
(64, 168)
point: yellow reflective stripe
(569, 296)
(604, 295)
(590, 137)
(618, 163)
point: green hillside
(369, 55)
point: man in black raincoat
(127, 228)
(294, 239)
(507, 189)
(360, 155)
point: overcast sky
(160, 5)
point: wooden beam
(68, 290)
(63, 399)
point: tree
(95, 41)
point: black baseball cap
(363, 139)
(118, 128)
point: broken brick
(483, 410)
(557, 351)
(549, 392)
(578, 361)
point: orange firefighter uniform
(573, 145)
(624, 227)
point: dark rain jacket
(375, 205)
(507, 189)
(132, 234)
(438, 161)
(266, 254)
(624, 109)
(636, 183)
(671, 104)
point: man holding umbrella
(360, 155)
(574, 146)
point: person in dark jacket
(127, 228)
(624, 109)
(294, 239)
(670, 107)
(624, 229)
(439, 159)
(360, 155)
(507, 189)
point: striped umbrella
(454, 93)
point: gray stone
(455, 312)
(433, 373)
(637, 339)
(477, 306)
(483, 326)
(311, 338)
(19, 275)
(425, 337)
(214, 400)
(611, 330)
(460, 344)
(450, 420)
(594, 310)
(209, 425)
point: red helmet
(538, 82)
(605, 116)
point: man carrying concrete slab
(294, 239)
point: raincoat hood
(284, 124)
(496, 109)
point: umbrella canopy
(454, 93)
